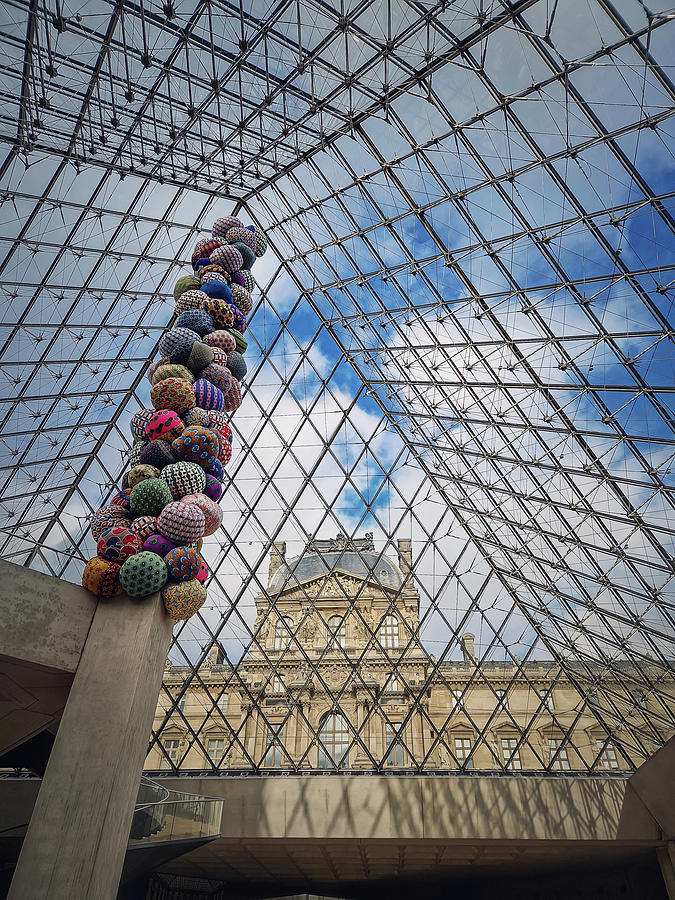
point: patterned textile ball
(216, 470)
(241, 234)
(221, 313)
(140, 473)
(101, 577)
(197, 416)
(117, 544)
(190, 300)
(184, 599)
(213, 489)
(196, 444)
(242, 299)
(183, 563)
(225, 454)
(185, 283)
(249, 281)
(171, 370)
(173, 393)
(228, 257)
(184, 478)
(150, 497)
(203, 573)
(219, 357)
(165, 423)
(177, 337)
(157, 543)
(196, 320)
(238, 278)
(247, 255)
(216, 270)
(260, 243)
(181, 522)
(238, 319)
(143, 574)
(204, 247)
(213, 514)
(233, 396)
(121, 498)
(222, 276)
(241, 344)
(152, 368)
(201, 356)
(221, 339)
(218, 290)
(222, 226)
(144, 526)
(138, 422)
(134, 453)
(199, 264)
(218, 376)
(207, 395)
(107, 517)
(218, 420)
(157, 453)
(237, 365)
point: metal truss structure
(464, 332)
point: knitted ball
(249, 280)
(143, 574)
(222, 339)
(150, 497)
(134, 453)
(216, 469)
(225, 454)
(199, 264)
(165, 423)
(178, 337)
(184, 478)
(247, 255)
(237, 365)
(185, 283)
(196, 320)
(219, 357)
(222, 226)
(213, 489)
(190, 300)
(121, 498)
(216, 375)
(218, 290)
(242, 299)
(201, 356)
(197, 416)
(204, 247)
(212, 275)
(213, 514)
(215, 270)
(173, 393)
(240, 341)
(157, 453)
(196, 444)
(157, 543)
(140, 473)
(183, 600)
(218, 420)
(117, 544)
(238, 278)
(107, 517)
(241, 234)
(238, 319)
(101, 577)
(152, 368)
(228, 257)
(233, 396)
(181, 354)
(221, 313)
(144, 526)
(171, 370)
(181, 522)
(183, 563)
(207, 395)
(203, 573)
(260, 243)
(138, 422)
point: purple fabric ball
(158, 544)
(213, 489)
(238, 278)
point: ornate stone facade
(337, 677)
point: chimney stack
(277, 557)
(405, 559)
(467, 648)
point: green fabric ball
(149, 497)
(143, 574)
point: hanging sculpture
(149, 538)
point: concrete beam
(78, 832)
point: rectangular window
(395, 750)
(463, 752)
(171, 750)
(561, 762)
(608, 758)
(181, 703)
(222, 703)
(511, 754)
(502, 700)
(278, 686)
(547, 701)
(215, 748)
(457, 700)
(273, 756)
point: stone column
(78, 833)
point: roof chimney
(405, 559)
(277, 557)
(467, 648)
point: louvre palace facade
(336, 678)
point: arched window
(283, 633)
(389, 632)
(333, 742)
(336, 631)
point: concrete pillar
(78, 833)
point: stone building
(337, 677)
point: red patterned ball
(222, 225)
(213, 514)
(144, 526)
(166, 424)
(181, 522)
(233, 397)
(222, 339)
(228, 257)
(204, 248)
(106, 517)
(117, 544)
(242, 235)
(203, 573)
(219, 377)
(101, 577)
(176, 394)
(138, 422)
